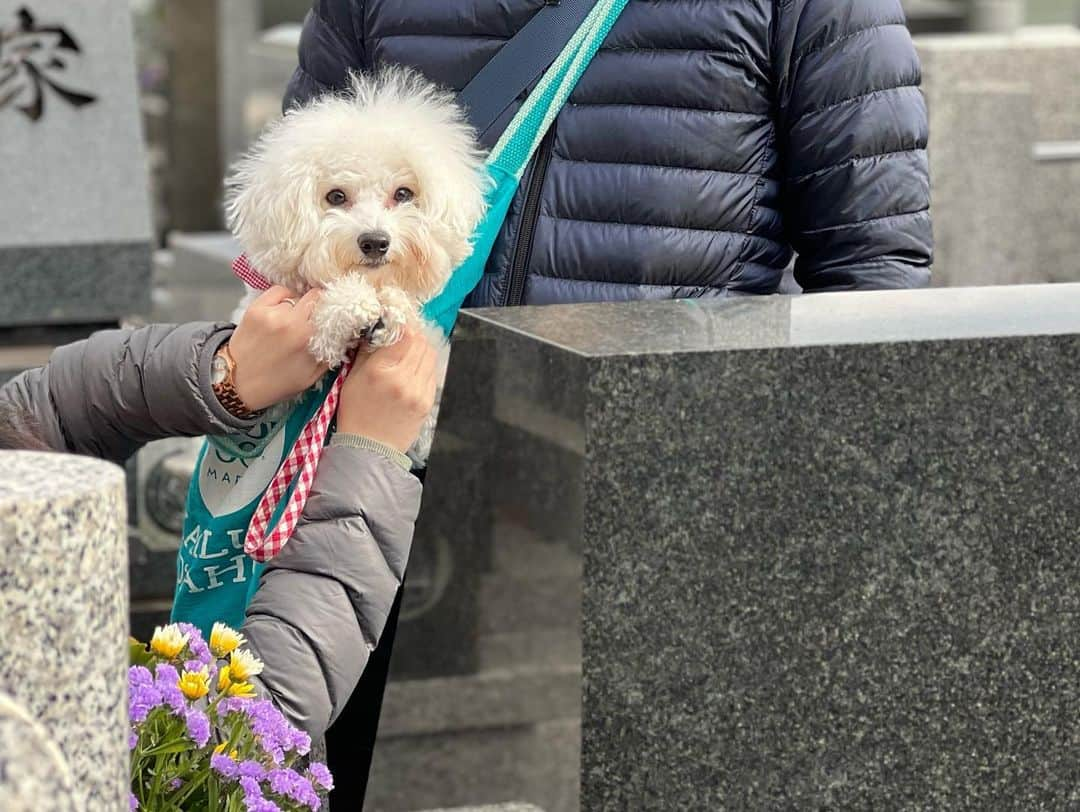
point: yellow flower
(221, 749)
(243, 665)
(223, 680)
(224, 640)
(195, 684)
(168, 641)
(244, 689)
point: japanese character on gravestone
(30, 57)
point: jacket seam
(758, 187)
(850, 35)
(719, 286)
(743, 113)
(729, 231)
(867, 221)
(853, 161)
(733, 172)
(861, 97)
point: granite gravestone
(789, 552)
(63, 600)
(75, 235)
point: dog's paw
(347, 310)
(397, 310)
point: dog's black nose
(374, 244)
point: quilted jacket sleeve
(108, 395)
(853, 131)
(322, 604)
(330, 47)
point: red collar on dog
(244, 271)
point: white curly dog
(371, 195)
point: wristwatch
(222, 379)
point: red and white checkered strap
(243, 271)
(263, 542)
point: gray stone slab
(827, 544)
(63, 600)
(1001, 216)
(74, 217)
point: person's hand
(270, 347)
(389, 392)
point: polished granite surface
(812, 553)
(705, 325)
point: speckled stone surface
(829, 542)
(34, 775)
(63, 600)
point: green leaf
(172, 747)
(138, 653)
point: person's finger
(425, 363)
(274, 295)
(305, 305)
(400, 352)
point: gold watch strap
(226, 390)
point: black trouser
(350, 742)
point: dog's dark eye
(336, 197)
(403, 195)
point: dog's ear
(271, 205)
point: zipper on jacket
(530, 214)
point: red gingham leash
(303, 458)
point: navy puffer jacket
(707, 140)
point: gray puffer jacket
(322, 604)
(705, 142)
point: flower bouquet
(200, 738)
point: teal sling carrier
(511, 154)
(215, 580)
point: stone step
(528, 604)
(519, 551)
(535, 648)
(539, 763)
(491, 808)
(489, 699)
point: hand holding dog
(270, 347)
(390, 392)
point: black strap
(521, 61)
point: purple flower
(133, 802)
(198, 727)
(320, 774)
(299, 741)
(133, 740)
(252, 769)
(143, 696)
(168, 685)
(293, 786)
(282, 781)
(175, 783)
(196, 645)
(224, 766)
(253, 797)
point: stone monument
(1004, 155)
(63, 600)
(75, 235)
(793, 552)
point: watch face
(218, 371)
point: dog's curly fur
(390, 131)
